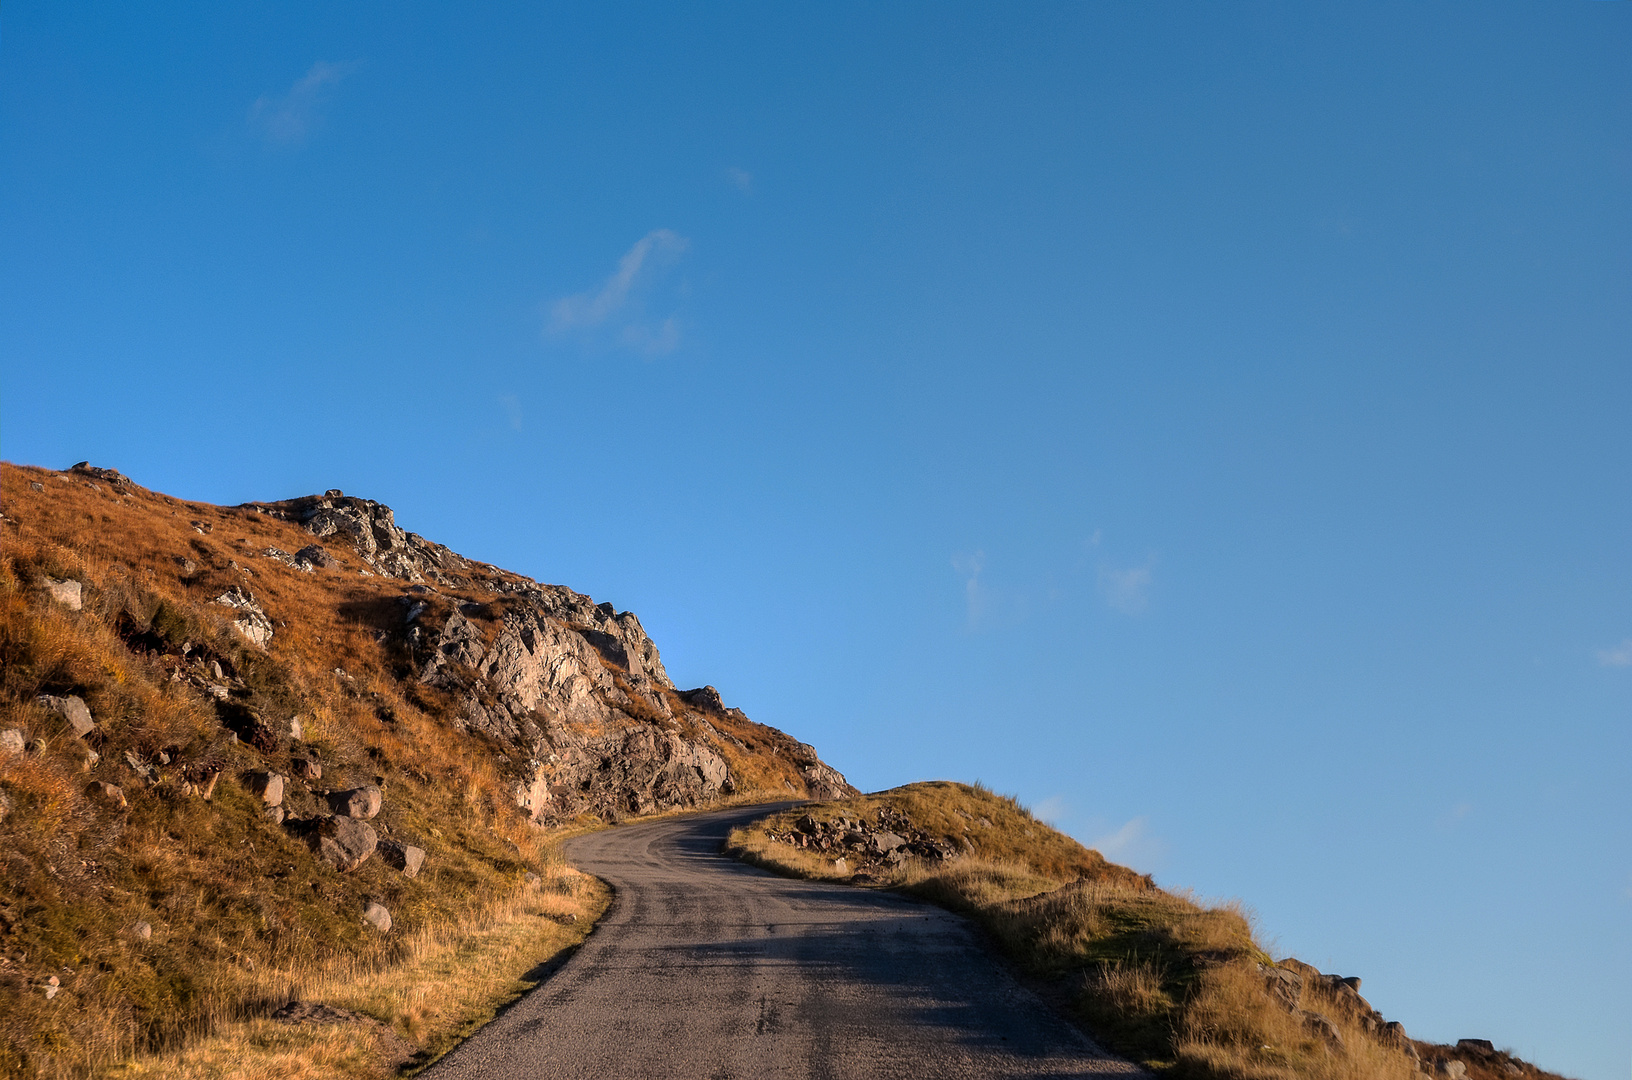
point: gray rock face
(371, 528)
(249, 620)
(68, 593)
(345, 843)
(316, 555)
(404, 857)
(359, 802)
(72, 709)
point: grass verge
(1167, 981)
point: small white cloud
(616, 303)
(1617, 656)
(1052, 810)
(290, 117)
(1127, 590)
(975, 599)
(741, 179)
(1133, 844)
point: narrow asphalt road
(708, 968)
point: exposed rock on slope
(176, 688)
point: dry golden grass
(1167, 981)
(441, 984)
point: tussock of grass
(1159, 977)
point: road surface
(707, 968)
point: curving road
(708, 968)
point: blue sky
(1208, 422)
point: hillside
(1184, 988)
(242, 743)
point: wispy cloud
(1052, 810)
(741, 179)
(1127, 589)
(1132, 844)
(1617, 656)
(616, 305)
(288, 118)
(975, 603)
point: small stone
(35, 485)
(841, 866)
(359, 802)
(297, 729)
(12, 741)
(104, 792)
(141, 931)
(306, 769)
(378, 917)
(206, 786)
(269, 786)
(404, 857)
(72, 709)
(274, 814)
(215, 669)
(68, 593)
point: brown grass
(1160, 977)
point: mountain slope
(227, 733)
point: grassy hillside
(152, 899)
(1180, 986)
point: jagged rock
(72, 709)
(269, 786)
(404, 857)
(316, 555)
(1320, 1025)
(359, 802)
(704, 697)
(251, 621)
(11, 741)
(886, 842)
(69, 593)
(378, 917)
(825, 782)
(345, 843)
(108, 794)
(841, 866)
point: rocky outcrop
(248, 618)
(574, 693)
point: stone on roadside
(358, 802)
(345, 843)
(69, 593)
(404, 857)
(72, 709)
(378, 917)
(885, 842)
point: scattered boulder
(69, 593)
(377, 916)
(274, 814)
(886, 842)
(12, 741)
(269, 786)
(72, 709)
(359, 802)
(108, 794)
(345, 843)
(404, 857)
(1474, 1044)
(316, 555)
(1452, 1068)
(141, 931)
(306, 769)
